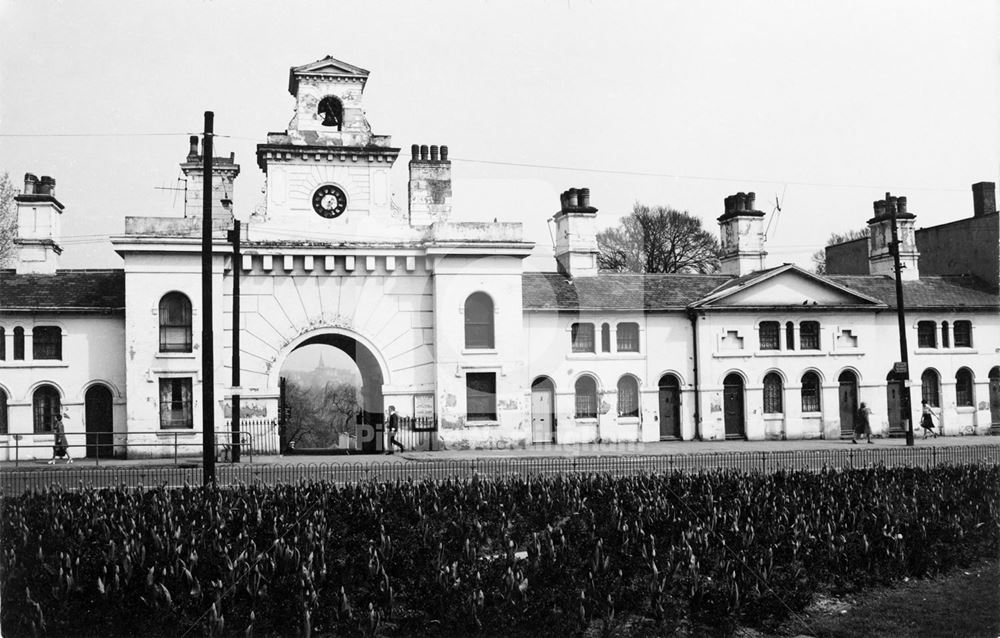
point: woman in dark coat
(60, 447)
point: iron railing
(17, 481)
(179, 445)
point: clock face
(329, 201)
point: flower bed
(499, 556)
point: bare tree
(819, 257)
(8, 219)
(658, 240)
(319, 414)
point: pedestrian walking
(862, 423)
(927, 419)
(392, 428)
(60, 447)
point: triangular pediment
(789, 286)
(329, 67)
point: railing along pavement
(17, 481)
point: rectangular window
(481, 396)
(628, 337)
(583, 337)
(926, 334)
(963, 334)
(176, 407)
(46, 342)
(769, 335)
(809, 335)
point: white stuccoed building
(445, 324)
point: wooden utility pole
(234, 237)
(207, 340)
(903, 376)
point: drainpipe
(693, 316)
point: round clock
(329, 201)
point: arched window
(3, 343)
(605, 338)
(964, 391)
(963, 334)
(18, 343)
(809, 335)
(789, 335)
(926, 334)
(628, 337)
(810, 392)
(945, 335)
(586, 398)
(930, 385)
(46, 405)
(628, 396)
(479, 321)
(773, 391)
(175, 323)
(3, 412)
(332, 112)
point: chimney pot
(30, 181)
(984, 198)
(46, 186)
(423, 152)
(751, 198)
(193, 143)
(444, 153)
(584, 197)
(741, 202)
(414, 152)
(572, 197)
(901, 205)
(434, 153)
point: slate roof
(927, 292)
(101, 291)
(553, 291)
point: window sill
(965, 409)
(172, 432)
(853, 352)
(608, 356)
(628, 420)
(479, 351)
(35, 363)
(585, 420)
(791, 353)
(774, 416)
(485, 422)
(175, 355)
(733, 355)
(945, 351)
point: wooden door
(98, 412)
(995, 400)
(541, 413)
(893, 392)
(670, 408)
(848, 403)
(732, 406)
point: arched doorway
(670, 407)
(99, 415)
(894, 398)
(543, 422)
(995, 400)
(331, 397)
(848, 402)
(732, 406)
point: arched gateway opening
(331, 397)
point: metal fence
(17, 481)
(164, 446)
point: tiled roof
(552, 291)
(927, 292)
(65, 291)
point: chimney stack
(742, 234)
(30, 181)
(39, 222)
(880, 259)
(576, 234)
(984, 199)
(430, 184)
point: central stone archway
(373, 377)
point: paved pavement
(658, 448)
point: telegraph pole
(234, 237)
(207, 340)
(906, 414)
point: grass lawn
(962, 604)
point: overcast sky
(675, 103)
